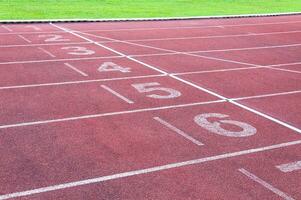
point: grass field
(68, 9)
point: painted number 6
(150, 87)
(215, 127)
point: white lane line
(79, 82)
(178, 131)
(290, 167)
(117, 94)
(47, 52)
(265, 184)
(248, 48)
(216, 70)
(277, 121)
(75, 69)
(158, 39)
(190, 83)
(24, 38)
(285, 70)
(191, 27)
(285, 64)
(211, 36)
(266, 95)
(6, 28)
(107, 114)
(57, 60)
(145, 171)
(42, 44)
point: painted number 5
(216, 127)
(150, 87)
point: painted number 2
(53, 38)
(216, 126)
(79, 51)
(150, 87)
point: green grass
(64, 9)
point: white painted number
(79, 51)
(110, 66)
(149, 87)
(36, 28)
(216, 127)
(53, 38)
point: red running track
(192, 109)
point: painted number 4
(111, 67)
(215, 126)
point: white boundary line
(41, 44)
(79, 82)
(168, 52)
(145, 171)
(154, 39)
(107, 114)
(208, 37)
(75, 69)
(58, 60)
(117, 94)
(266, 95)
(178, 131)
(192, 84)
(265, 184)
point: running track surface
(200, 109)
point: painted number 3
(245, 129)
(78, 50)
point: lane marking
(190, 83)
(75, 69)
(171, 52)
(107, 114)
(194, 27)
(47, 52)
(266, 95)
(145, 171)
(277, 121)
(135, 111)
(248, 48)
(117, 94)
(214, 58)
(42, 44)
(6, 28)
(57, 60)
(155, 39)
(285, 70)
(211, 36)
(265, 184)
(178, 131)
(217, 70)
(290, 167)
(79, 82)
(24, 38)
